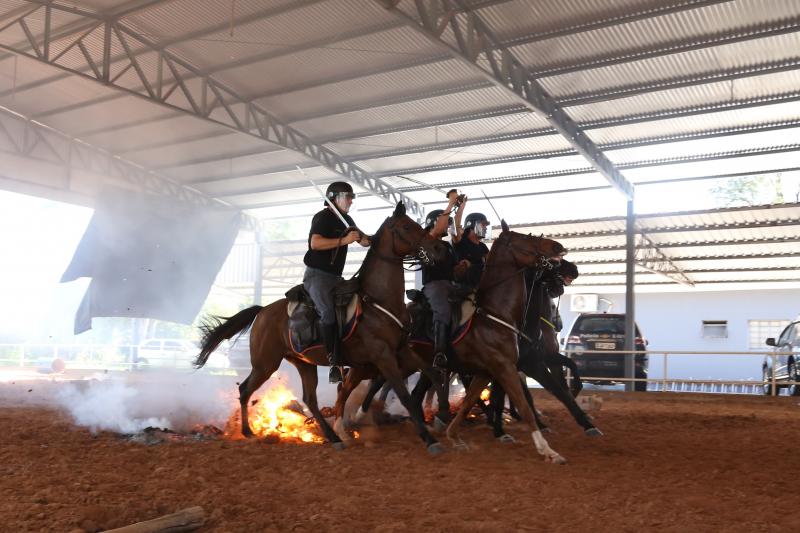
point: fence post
(664, 378)
(774, 391)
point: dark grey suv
(787, 362)
(604, 331)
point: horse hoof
(339, 446)
(247, 434)
(438, 425)
(593, 432)
(557, 460)
(435, 449)
(505, 437)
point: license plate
(604, 345)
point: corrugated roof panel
(336, 97)
(441, 135)
(734, 120)
(537, 145)
(163, 132)
(187, 151)
(336, 125)
(169, 20)
(692, 64)
(534, 17)
(666, 31)
(719, 93)
(721, 166)
(375, 52)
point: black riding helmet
(473, 222)
(430, 219)
(338, 187)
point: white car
(174, 353)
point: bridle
(420, 257)
(543, 263)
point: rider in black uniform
(327, 250)
(471, 249)
(437, 279)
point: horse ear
(400, 210)
(503, 224)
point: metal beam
(42, 143)
(732, 242)
(207, 98)
(623, 166)
(477, 44)
(718, 257)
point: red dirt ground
(668, 462)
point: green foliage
(750, 190)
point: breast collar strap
(371, 301)
(502, 322)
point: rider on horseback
(563, 275)
(324, 260)
(437, 278)
(471, 250)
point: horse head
(408, 238)
(530, 251)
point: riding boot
(331, 340)
(441, 338)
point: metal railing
(665, 383)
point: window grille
(759, 330)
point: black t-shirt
(475, 253)
(442, 270)
(328, 225)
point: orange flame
(270, 417)
(485, 395)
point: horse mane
(375, 242)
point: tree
(750, 190)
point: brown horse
(489, 349)
(377, 343)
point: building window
(759, 330)
(715, 329)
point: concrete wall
(673, 321)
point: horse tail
(216, 329)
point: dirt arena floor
(667, 462)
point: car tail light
(638, 340)
(573, 339)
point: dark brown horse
(378, 342)
(489, 349)
(540, 359)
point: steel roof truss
(239, 114)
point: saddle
(462, 305)
(304, 328)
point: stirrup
(334, 375)
(440, 361)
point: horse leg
(509, 379)
(391, 371)
(258, 375)
(476, 386)
(497, 400)
(559, 389)
(354, 376)
(308, 375)
(577, 384)
(374, 386)
(529, 398)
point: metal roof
(219, 101)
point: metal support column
(630, 266)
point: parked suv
(787, 348)
(604, 331)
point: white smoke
(134, 402)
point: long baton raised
(325, 198)
(492, 206)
